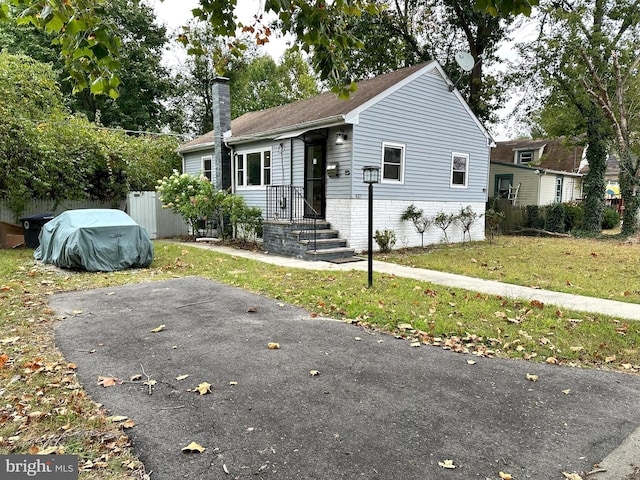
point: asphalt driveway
(377, 409)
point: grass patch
(45, 409)
(595, 268)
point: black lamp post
(370, 175)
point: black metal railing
(286, 203)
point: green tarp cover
(97, 240)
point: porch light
(341, 136)
(370, 175)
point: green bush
(610, 218)
(573, 216)
(533, 217)
(385, 240)
(554, 218)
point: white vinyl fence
(144, 207)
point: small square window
(525, 156)
(459, 169)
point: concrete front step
(328, 254)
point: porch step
(320, 233)
(324, 243)
(329, 254)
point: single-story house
(536, 172)
(302, 163)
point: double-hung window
(206, 168)
(525, 156)
(253, 169)
(459, 169)
(392, 162)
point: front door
(314, 178)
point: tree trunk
(594, 183)
(629, 192)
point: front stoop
(290, 240)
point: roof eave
(271, 134)
(195, 148)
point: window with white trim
(459, 169)
(253, 168)
(525, 156)
(206, 168)
(392, 162)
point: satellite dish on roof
(465, 60)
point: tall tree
(589, 50)
(90, 46)
(414, 31)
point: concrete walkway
(580, 303)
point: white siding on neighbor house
(350, 217)
(547, 193)
(431, 122)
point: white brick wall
(350, 218)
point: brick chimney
(221, 124)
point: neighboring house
(541, 171)
(302, 162)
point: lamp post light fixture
(370, 175)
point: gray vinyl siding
(430, 121)
(341, 187)
(193, 161)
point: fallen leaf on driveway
(314, 373)
(109, 381)
(158, 328)
(118, 418)
(252, 310)
(567, 391)
(273, 346)
(571, 476)
(447, 464)
(193, 447)
(128, 424)
(505, 476)
(203, 388)
(182, 377)
(533, 378)
(135, 377)
(471, 362)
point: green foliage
(554, 218)
(610, 218)
(466, 219)
(494, 221)
(573, 216)
(385, 240)
(443, 221)
(533, 217)
(419, 220)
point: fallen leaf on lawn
(405, 326)
(273, 346)
(533, 378)
(3, 359)
(505, 476)
(314, 373)
(9, 340)
(571, 476)
(128, 424)
(471, 362)
(203, 388)
(118, 418)
(552, 360)
(415, 344)
(447, 464)
(609, 359)
(135, 377)
(193, 447)
(567, 391)
(109, 381)
(158, 328)
(627, 366)
(576, 349)
(182, 377)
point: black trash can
(31, 227)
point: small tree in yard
(466, 219)
(494, 222)
(443, 221)
(419, 220)
(192, 197)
